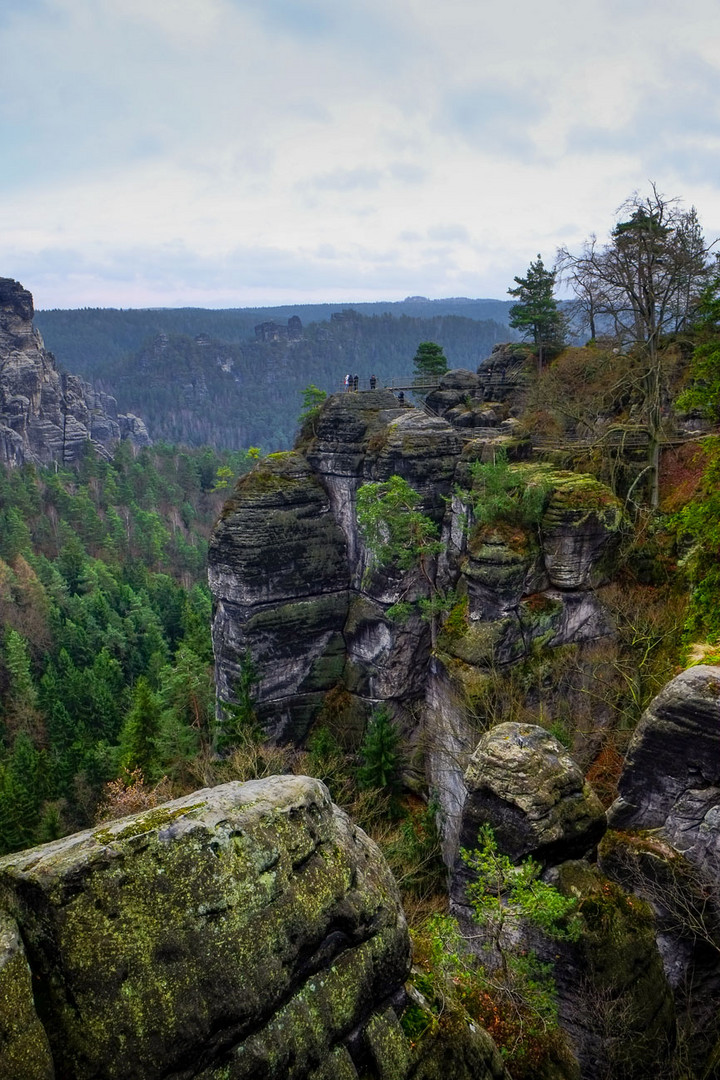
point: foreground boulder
(245, 931)
(242, 931)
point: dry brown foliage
(129, 794)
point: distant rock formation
(244, 931)
(47, 415)
(272, 331)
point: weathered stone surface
(45, 415)
(525, 785)
(504, 374)
(671, 779)
(665, 843)
(346, 425)
(287, 559)
(24, 1048)
(423, 450)
(614, 1000)
(241, 931)
(581, 530)
(280, 580)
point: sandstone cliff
(296, 589)
(47, 415)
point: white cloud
(218, 148)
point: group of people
(352, 382)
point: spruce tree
(140, 731)
(537, 314)
(380, 754)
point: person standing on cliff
(356, 380)
(348, 383)
(373, 382)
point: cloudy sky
(246, 152)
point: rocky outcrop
(462, 399)
(671, 779)
(613, 997)
(280, 576)
(46, 415)
(523, 781)
(245, 931)
(504, 374)
(665, 842)
(292, 582)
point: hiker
(356, 380)
(401, 397)
(373, 382)
(348, 383)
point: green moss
(156, 818)
(388, 1045)
(24, 1049)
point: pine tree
(537, 314)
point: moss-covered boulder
(242, 931)
(523, 783)
(24, 1049)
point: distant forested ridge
(203, 377)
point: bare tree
(645, 282)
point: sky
(226, 153)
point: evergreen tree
(537, 314)
(703, 391)
(240, 723)
(138, 738)
(380, 754)
(429, 360)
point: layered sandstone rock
(525, 784)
